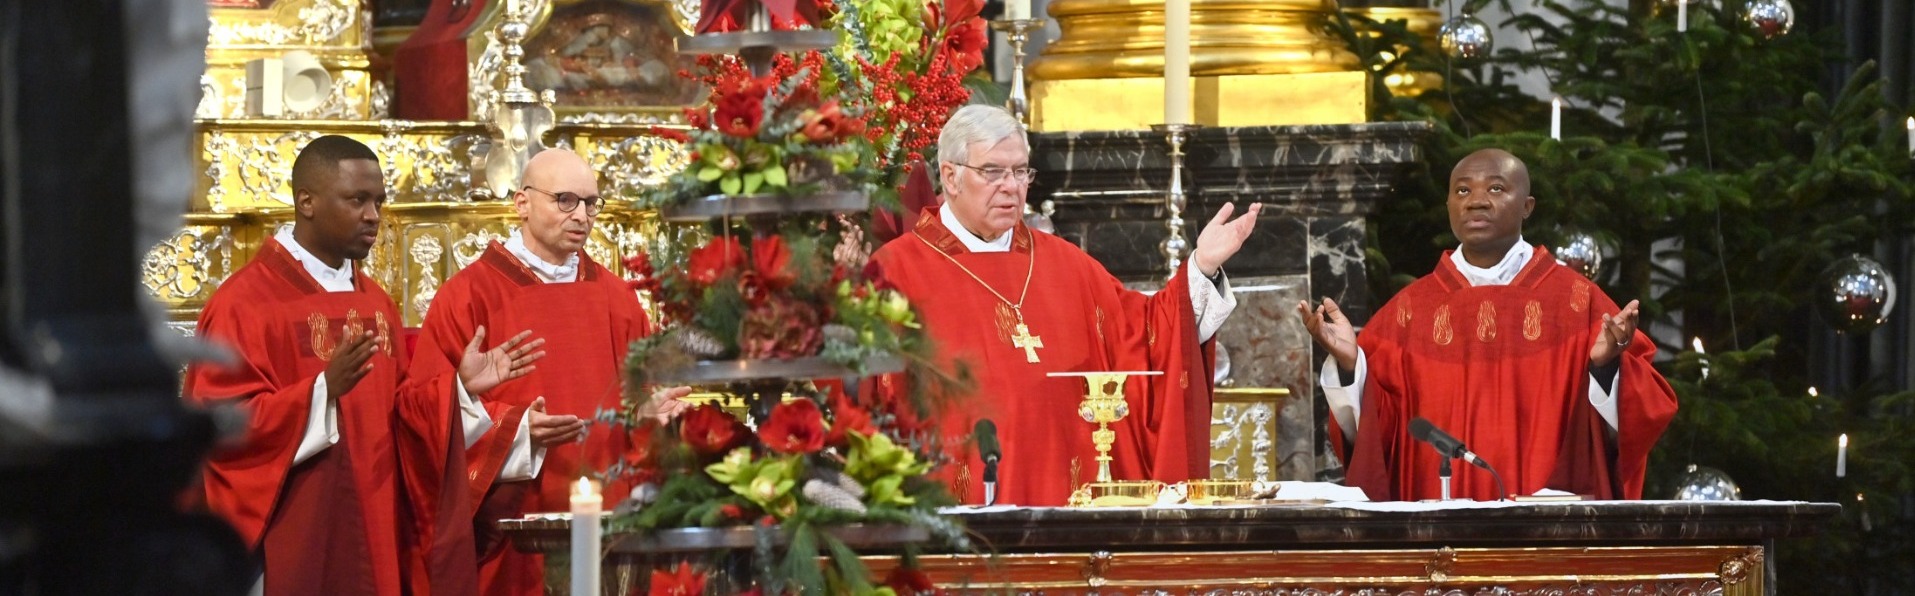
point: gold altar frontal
(1067, 105)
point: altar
(1463, 547)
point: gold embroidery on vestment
(1440, 329)
(1486, 322)
(1579, 297)
(323, 344)
(1532, 320)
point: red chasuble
(1087, 322)
(328, 525)
(587, 325)
(1506, 370)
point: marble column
(1318, 183)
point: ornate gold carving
(1096, 567)
(289, 22)
(630, 165)
(186, 268)
(1486, 322)
(425, 253)
(1440, 331)
(1441, 565)
(1243, 427)
(1742, 567)
(1532, 320)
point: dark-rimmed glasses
(569, 202)
(993, 174)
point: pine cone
(830, 495)
(699, 343)
(846, 482)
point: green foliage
(1716, 148)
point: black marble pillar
(1318, 183)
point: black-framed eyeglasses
(569, 202)
(993, 174)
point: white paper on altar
(1133, 373)
(1297, 490)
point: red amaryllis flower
(710, 431)
(638, 445)
(847, 418)
(682, 581)
(740, 107)
(965, 42)
(771, 259)
(909, 582)
(715, 259)
(953, 11)
(824, 124)
(796, 426)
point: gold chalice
(1103, 404)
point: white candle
(1017, 10)
(1556, 117)
(1682, 16)
(586, 504)
(1842, 456)
(1705, 360)
(1911, 136)
(1177, 61)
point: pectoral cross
(1030, 343)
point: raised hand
(1332, 330)
(666, 403)
(548, 430)
(350, 362)
(483, 371)
(1223, 237)
(1614, 336)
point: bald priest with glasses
(565, 322)
(1016, 304)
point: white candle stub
(1842, 456)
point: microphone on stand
(990, 452)
(1450, 447)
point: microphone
(989, 450)
(1422, 430)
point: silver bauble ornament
(1703, 483)
(1579, 251)
(1769, 18)
(1857, 294)
(1465, 36)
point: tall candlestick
(1556, 117)
(1911, 136)
(586, 504)
(1682, 16)
(1017, 9)
(1177, 62)
(1842, 456)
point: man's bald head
(554, 180)
(1488, 201)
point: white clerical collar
(1499, 274)
(971, 241)
(548, 272)
(333, 280)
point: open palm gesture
(483, 371)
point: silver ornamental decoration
(1581, 253)
(1769, 18)
(1465, 36)
(1703, 483)
(1857, 294)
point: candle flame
(1858, 497)
(1698, 344)
(584, 488)
(1812, 392)
(1844, 441)
(1556, 101)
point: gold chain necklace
(1022, 339)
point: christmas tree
(1721, 187)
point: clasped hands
(483, 371)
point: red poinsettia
(910, 582)
(771, 260)
(715, 259)
(847, 418)
(796, 426)
(711, 432)
(739, 108)
(681, 581)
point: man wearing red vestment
(1018, 304)
(519, 458)
(1526, 362)
(310, 487)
